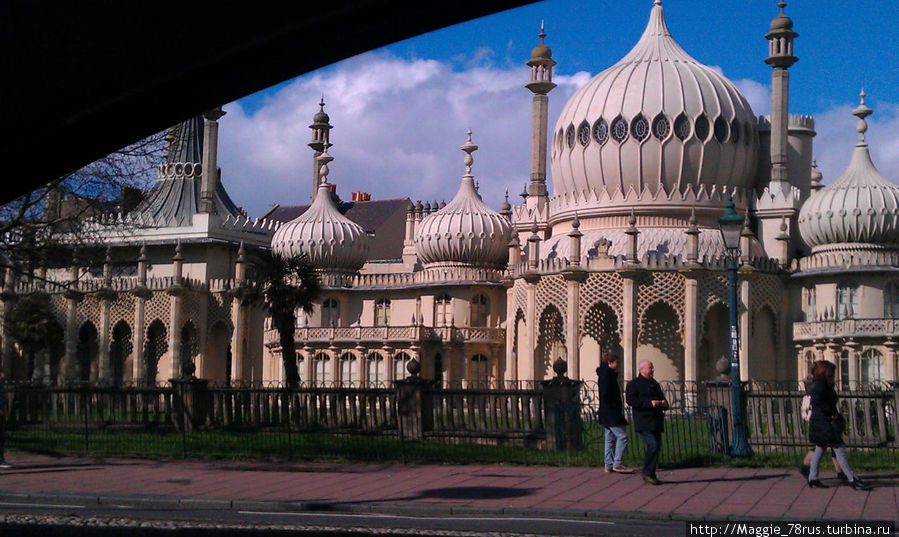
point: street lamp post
(731, 224)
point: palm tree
(284, 285)
(32, 326)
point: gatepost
(415, 404)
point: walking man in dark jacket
(645, 397)
(611, 414)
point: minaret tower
(321, 136)
(780, 58)
(779, 203)
(541, 83)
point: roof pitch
(368, 214)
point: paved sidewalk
(688, 494)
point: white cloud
(398, 124)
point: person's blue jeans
(616, 441)
(653, 441)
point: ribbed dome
(333, 242)
(861, 206)
(465, 231)
(656, 121)
(781, 21)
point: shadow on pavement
(726, 479)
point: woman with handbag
(825, 428)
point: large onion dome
(466, 231)
(861, 206)
(657, 127)
(332, 242)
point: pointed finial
(108, 255)
(534, 228)
(143, 252)
(861, 112)
(469, 148)
(781, 5)
(632, 220)
(576, 223)
(542, 33)
(241, 253)
(783, 224)
(524, 192)
(657, 3)
(321, 103)
(693, 217)
(178, 256)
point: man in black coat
(645, 397)
(611, 414)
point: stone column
(745, 322)
(104, 371)
(629, 324)
(238, 315)
(890, 365)
(510, 367)
(8, 296)
(209, 174)
(692, 323)
(527, 356)
(852, 348)
(176, 291)
(73, 297)
(309, 363)
(362, 364)
(335, 364)
(575, 276)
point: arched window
(330, 312)
(478, 370)
(847, 301)
(870, 366)
(480, 307)
(891, 301)
(375, 368)
(810, 305)
(442, 310)
(382, 312)
(844, 370)
(400, 361)
(349, 371)
(322, 369)
(809, 362)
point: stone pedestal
(562, 410)
(192, 402)
(415, 404)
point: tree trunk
(286, 326)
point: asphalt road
(73, 517)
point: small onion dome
(333, 242)
(541, 51)
(781, 21)
(321, 116)
(861, 206)
(466, 230)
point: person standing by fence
(806, 410)
(826, 426)
(4, 407)
(645, 397)
(611, 414)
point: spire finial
(542, 33)
(321, 103)
(469, 148)
(781, 5)
(576, 222)
(861, 112)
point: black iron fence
(553, 422)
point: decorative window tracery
(569, 136)
(720, 130)
(601, 131)
(661, 127)
(701, 128)
(682, 127)
(619, 129)
(640, 128)
(583, 134)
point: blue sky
(401, 112)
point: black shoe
(803, 470)
(651, 480)
(858, 484)
(842, 477)
(816, 483)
